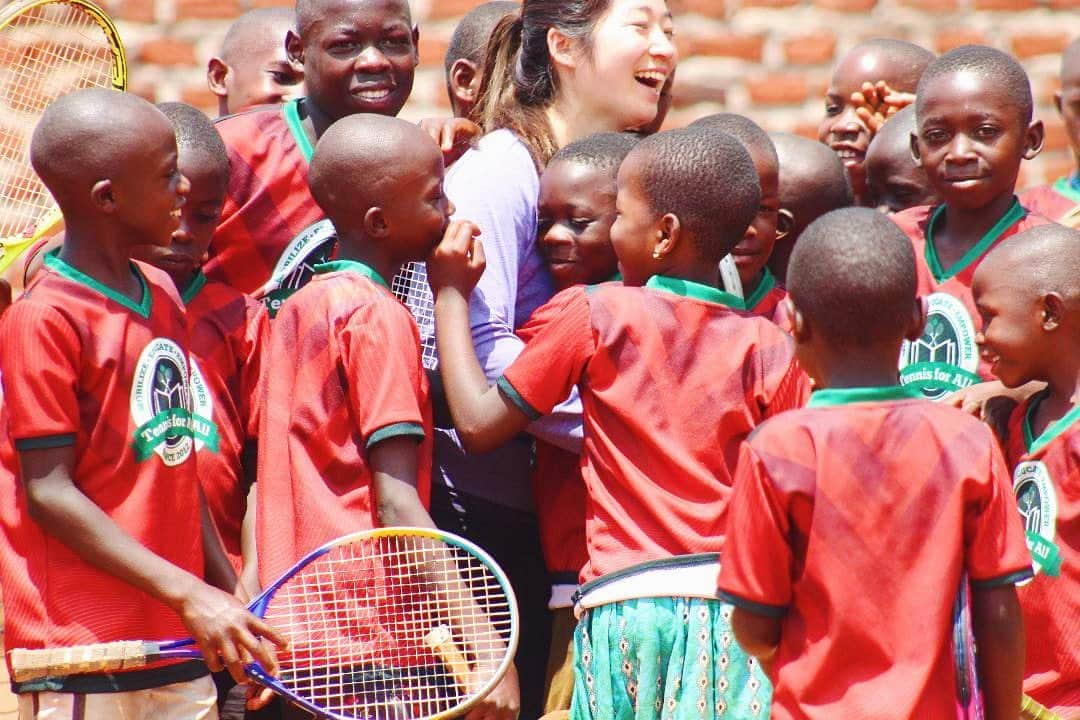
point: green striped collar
(1013, 215)
(296, 128)
(1052, 431)
(142, 308)
(197, 283)
(829, 397)
(765, 286)
(1069, 186)
(697, 291)
(351, 266)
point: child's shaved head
(361, 159)
(603, 151)
(1044, 259)
(895, 180)
(1068, 98)
(252, 67)
(195, 133)
(743, 129)
(705, 178)
(89, 135)
(471, 35)
(990, 64)
(255, 30)
(852, 276)
(897, 62)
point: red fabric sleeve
(560, 345)
(39, 363)
(256, 341)
(380, 348)
(755, 566)
(996, 551)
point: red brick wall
(769, 59)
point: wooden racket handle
(103, 657)
(1033, 710)
(441, 642)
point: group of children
(779, 496)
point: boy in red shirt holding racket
(852, 520)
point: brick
(716, 9)
(167, 51)
(848, 6)
(1058, 165)
(1005, 5)
(1064, 4)
(934, 6)
(769, 3)
(726, 44)
(946, 40)
(1031, 45)
(807, 130)
(432, 48)
(778, 89)
(255, 4)
(201, 97)
(145, 90)
(444, 9)
(812, 49)
(1056, 137)
(207, 9)
(141, 11)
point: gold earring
(656, 255)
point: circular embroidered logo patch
(946, 357)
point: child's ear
(800, 329)
(375, 224)
(463, 80)
(1033, 139)
(294, 47)
(914, 141)
(917, 321)
(216, 73)
(416, 44)
(785, 223)
(668, 232)
(1052, 306)
(101, 194)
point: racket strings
(411, 287)
(391, 627)
(45, 52)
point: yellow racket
(1033, 710)
(48, 48)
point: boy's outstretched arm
(999, 636)
(758, 635)
(483, 417)
(222, 628)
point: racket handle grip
(1031, 709)
(441, 642)
(100, 658)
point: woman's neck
(570, 120)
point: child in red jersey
(101, 516)
(673, 377)
(576, 209)
(1031, 331)
(345, 439)
(251, 68)
(1060, 201)
(762, 295)
(879, 67)
(853, 520)
(974, 117)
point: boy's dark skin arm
(758, 635)
(222, 628)
(483, 417)
(999, 634)
(217, 569)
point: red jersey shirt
(343, 374)
(1046, 480)
(1059, 201)
(852, 520)
(272, 233)
(672, 380)
(946, 357)
(767, 301)
(84, 366)
(229, 332)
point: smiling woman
(556, 71)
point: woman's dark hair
(519, 80)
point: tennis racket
(395, 623)
(411, 287)
(1033, 710)
(48, 48)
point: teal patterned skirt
(664, 658)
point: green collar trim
(1067, 187)
(296, 127)
(829, 397)
(350, 266)
(617, 277)
(765, 286)
(197, 283)
(1013, 215)
(697, 291)
(142, 308)
(1052, 431)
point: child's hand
(877, 102)
(453, 135)
(458, 261)
(502, 703)
(226, 633)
